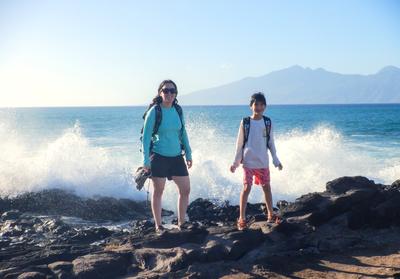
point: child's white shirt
(255, 153)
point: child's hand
(233, 168)
(280, 167)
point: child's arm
(239, 147)
(272, 149)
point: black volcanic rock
(61, 202)
(343, 184)
(10, 215)
(395, 185)
(100, 265)
(353, 213)
(205, 211)
(303, 205)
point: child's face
(258, 107)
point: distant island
(299, 85)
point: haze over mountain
(298, 85)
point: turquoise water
(92, 150)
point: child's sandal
(241, 224)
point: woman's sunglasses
(168, 90)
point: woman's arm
(185, 141)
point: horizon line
(199, 105)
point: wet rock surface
(61, 202)
(353, 214)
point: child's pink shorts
(261, 176)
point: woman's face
(168, 93)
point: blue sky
(65, 53)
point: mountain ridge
(304, 85)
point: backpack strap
(246, 129)
(267, 122)
(180, 113)
(157, 122)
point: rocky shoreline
(350, 230)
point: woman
(164, 141)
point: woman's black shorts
(162, 166)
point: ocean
(93, 150)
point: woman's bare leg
(183, 183)
(158, 189)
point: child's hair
(258, 97)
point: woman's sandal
(241, 224)
(160, 230)
(184, 226)
(274, 219)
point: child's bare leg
(244, 195)
(268, 199)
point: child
(254, 139)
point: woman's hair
(164, 82)
(158, 99)
(258, 97)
